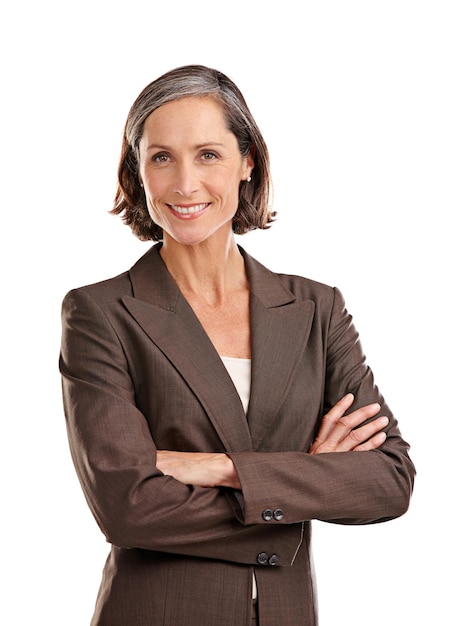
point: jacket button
(267, 515)
(278, 515)
(262, 558)
(273, 559)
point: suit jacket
(139, 374)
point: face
(191, 169)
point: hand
(203, 469)
(341, 433)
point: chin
(189, 239)
(195, 236)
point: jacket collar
(152, 282)
(277, 317)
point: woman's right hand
(344, 433)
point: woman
(214, 408)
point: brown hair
(187, 81)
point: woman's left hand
(352, 432)
(203, 469)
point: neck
(211, 269)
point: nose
(186, 180)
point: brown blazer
(139, 373)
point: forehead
(187, 117)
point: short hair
(194, 81)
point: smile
(189, 210)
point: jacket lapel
(276, 316)
(164, 314)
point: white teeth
(189, 209)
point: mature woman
(214, 408)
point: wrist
(228, 477)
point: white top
(240, 372)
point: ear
(249, 163)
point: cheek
(153, 185)
(229, 188)
(154, 209)
(155, 194)
(152, 196)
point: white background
(358, 102)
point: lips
(190, 209)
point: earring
(248, 179)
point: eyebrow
(207, 144)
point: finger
(372, 444)
(330, 419)
(344, 427)
(359, 416)
(360, 436)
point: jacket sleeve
(134, 504)
(345, 487)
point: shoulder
(307, 288)
(299, 287)
(113, 288)
(101, 292)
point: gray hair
(194, 81)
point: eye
(161, 157)
(209, 155)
